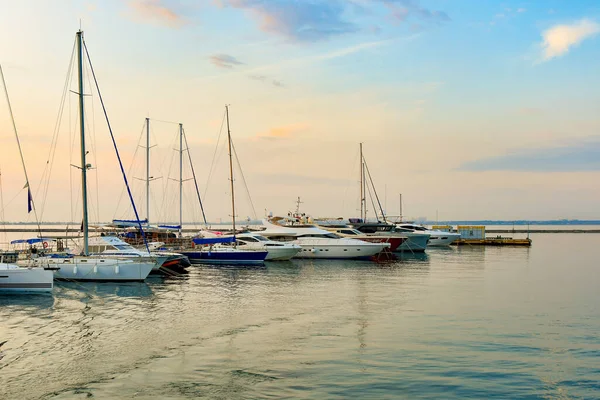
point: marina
(194, 201)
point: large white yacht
(437, 238)
(316, 242)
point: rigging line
(214, 156)
(243, 179)
(375, 191)
(137, 147)
(187, 146)
(12, 118)
(168, 175)
(372, 203)
(137, 217)
(11, 201)
(94, 143)
(53, 144)
(5, 236)
(164, 122)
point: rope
(214, 156)
(194, 176)
(116, 149)
(12, 118)
(244, 179)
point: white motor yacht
(437, 238)
(277, 251)
(318, 243)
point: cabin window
(250, 239)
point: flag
(29, 200)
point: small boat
(209, 251)
(14, 278)
(415, 241)
(437, 237)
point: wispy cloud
(315, 20)
(282, 132)
(266, 79)
(583, 155)
(403, 10)
(155, 11)
(224, 61)
(560, 38)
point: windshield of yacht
(122, 247)
(260, 238)
(322, 235)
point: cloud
(156, 11)
(577, 157)
(560, 38)
(224, 61)
(521, 10)
(266, 79)
(315, 20)
(283, 132)
(402, 10)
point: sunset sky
(474, 109)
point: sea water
(454, 323)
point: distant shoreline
(573, 222)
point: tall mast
(148, 171)
(400, 207)
(230, 169)
(363, 212)
(180, 178)
(82, 140)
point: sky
(470, 110)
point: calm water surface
(454, 323)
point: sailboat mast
(148, 170)
(82, 140)
(230, 169)
(180, 178)
(363, 213)
(400, 207)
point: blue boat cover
(31, 241)
(128, 222)
(170, 226)
(230, 239)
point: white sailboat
(13, 278)
(86, 267)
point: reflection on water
(451, 323)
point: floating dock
(475, 236)
(497, 241)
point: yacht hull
(342, 251)
(97, 269)
(19, 280)
(414, 243)
(281, 254)
(439, 239)
(225, 257)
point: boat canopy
(170, 226)
(128, 222)
(32, 241)
(230, 239)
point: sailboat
(86, 267)
(210, 251)
(14, 278)
(415, 241)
